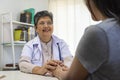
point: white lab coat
(32, 54)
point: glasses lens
(45, 23)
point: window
(71, 17)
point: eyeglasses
(45, 23)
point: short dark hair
(41, 14)
(109, 8)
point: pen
(60, 57)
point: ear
(35, 27)
(36, 30)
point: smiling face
(44, 28)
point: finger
(59, 67)
(62, 64)
(52, 63)
(65, 66)
(49, 67)
(65, 69)
(57, 61)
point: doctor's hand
(50, 66)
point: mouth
(46, 30)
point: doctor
(42, 54)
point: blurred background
(71, 17)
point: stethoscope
(60, 56)
(36, 49)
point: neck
(45, 39)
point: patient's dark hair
(41, 14)
(109, 8)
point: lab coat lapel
(37, 41)
(55, 48)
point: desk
(17, 75)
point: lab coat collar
(56, 40)
(36, 41)
(55, 47)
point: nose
(45, 24)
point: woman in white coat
(42, 54)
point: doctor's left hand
(50, 66)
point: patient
(98, 52)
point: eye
(49, 23)
(41, 23)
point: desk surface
(17, 75)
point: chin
(47, 34)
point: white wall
(16, 6)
